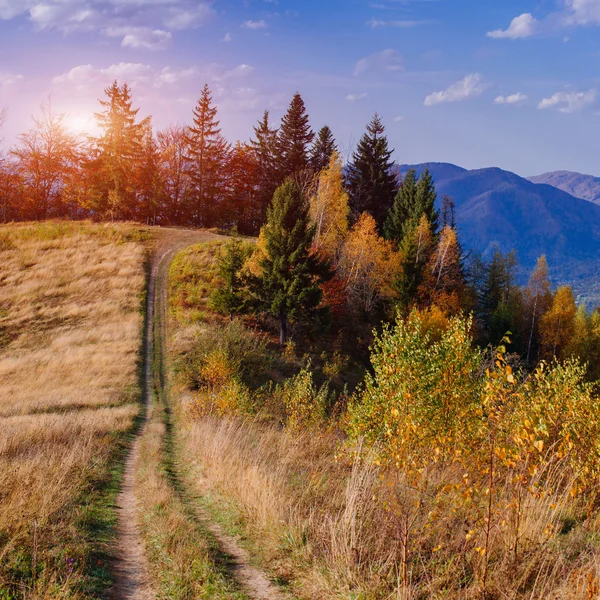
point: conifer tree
(150, 188)
(208, 153)
(288, 285)
(398, 216)
(372, 183)
(322, 150)
(264, 147)
(414, 199)
(115, 166)
(294, 139)
(502, 299)
(416, 249)
(229, 298)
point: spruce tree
(288, 286)
(208, 153)
(399, 214)
(294, 140)
(264, 148)
(229, 298)
(322, 150)
(117, 160)
(414, 199)
(372, 183)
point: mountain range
(586, 187)
(496, 208)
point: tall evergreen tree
(288, 286)
(294, 140)
(264, 148)
(372, 183)
(502, 299)
(208, 153)
(150, 188)
(116, 163)
(399, 214)
(414, 199)
(229, 298)
(322, 150)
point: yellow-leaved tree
(369, 265)
(558, 324)
(329, 209)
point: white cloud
(387, 60)
(262, 24)
(7, 79)
(144, 38)
(377, 23)
(146, 24)
(523, 26)
(515, 99)
(569, 102)
(355, 97)
(469, 87)
(85, 77)
(399, 119)
(227, 38)
(573, 13)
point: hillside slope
(586, 187)
(498, 208)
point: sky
(479, 83)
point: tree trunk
(283, 326)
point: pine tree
(208, 153)
(414, 199)
(416, 250)
(294, 139)
(264, 148)
(502, 299)
(229, 298)
(372, 183)
(150, 188)
(425, 201)
(288, 285)
(400, 213)
(322, 150)
(118, 154)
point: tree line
(335, 240)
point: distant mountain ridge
(586, 187)
(496, 208)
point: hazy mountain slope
(496, 207)
(586, 187)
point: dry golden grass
(71, 300)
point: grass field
(71, 314)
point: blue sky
(511, 83)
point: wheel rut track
(132, 580)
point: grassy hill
(71, 299)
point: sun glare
(80, 124)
